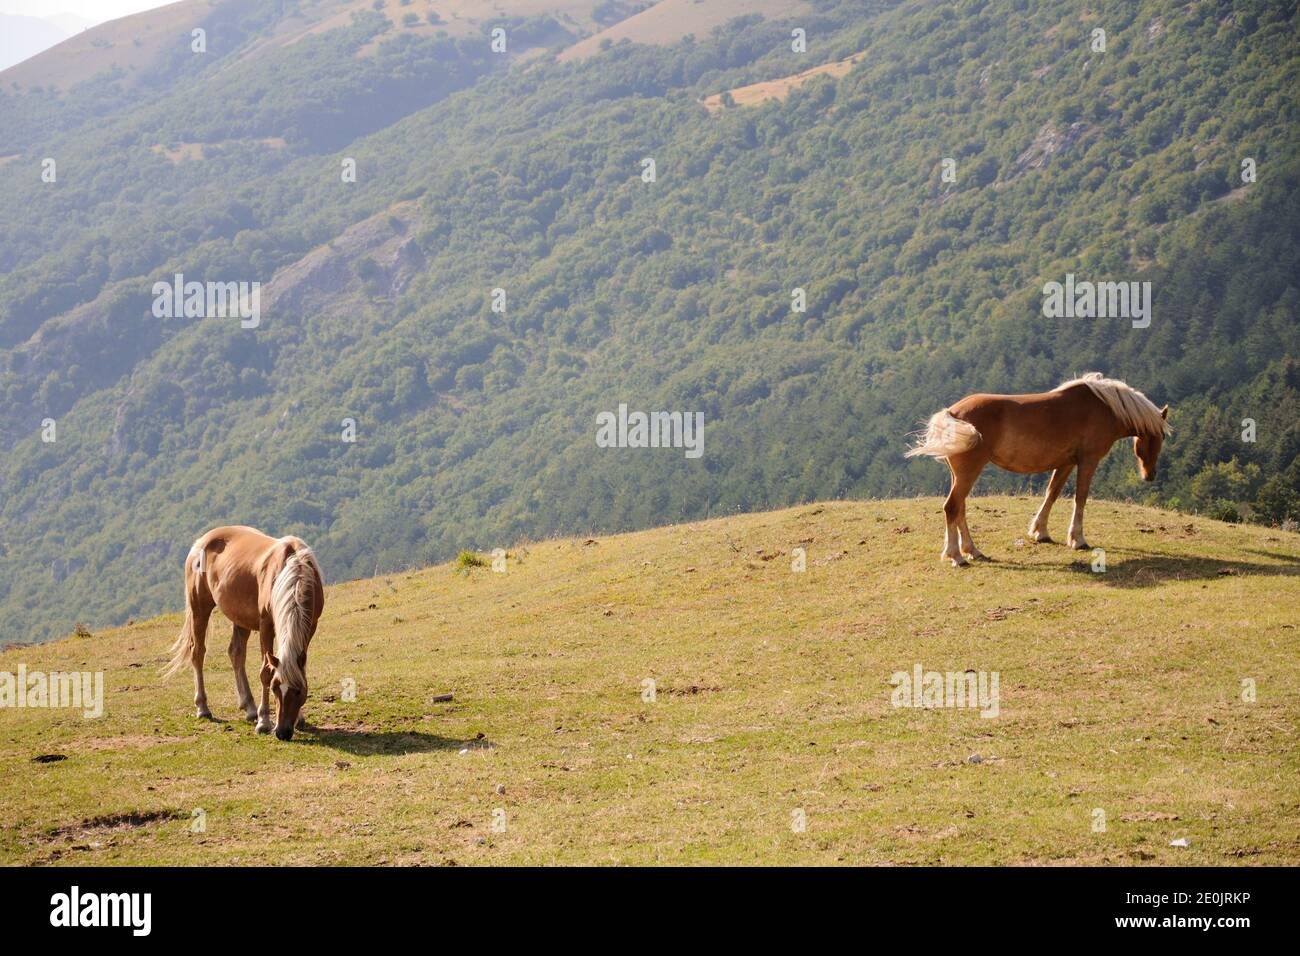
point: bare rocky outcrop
(1048, 142)
(326, 279)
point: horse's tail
(945, 435)
(183, 649)
(293, 596)
(184, 646)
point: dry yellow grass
(670, 20)
(1120, 692)
(457, 17)
(194, 152)
(134, 43)
(779, 89)
(129, 43)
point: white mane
(291, 609)
(1131, 407)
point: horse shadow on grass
(1138, 568)
(366, 743)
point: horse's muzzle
(285, 734)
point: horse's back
(1037, 431)
(232, 540)
(225, 563)
(235, 534)
(1046, 407)
(983, 400)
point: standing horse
(1074, 425)
(269, 585)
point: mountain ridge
(22, 38)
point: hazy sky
(97, 10)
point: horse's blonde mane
(1131, 407)
(291, 609)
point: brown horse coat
(264, 584)
(1072, 426)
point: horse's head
(297, 598)
(1147, 448)
(289, 698)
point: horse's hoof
(264, 728)
(204, 715)
(1079, 545)
(251, 717)
(1042, 539)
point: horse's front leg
(266, 636)
(238, 654)
(1086, 468)
(1038, 526)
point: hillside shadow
(365, 743)
(1275, 555)
(1136, 568)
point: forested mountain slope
(477, 171)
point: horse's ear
(1164, 413)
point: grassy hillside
(669, 21)
(477, 172)
(131, 48)
(1119, 691)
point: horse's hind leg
(238, 652)
(201, 611)
(1038, 526)
(967, 543)
(954, 510)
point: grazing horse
(1075, 424)
(264, 584)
